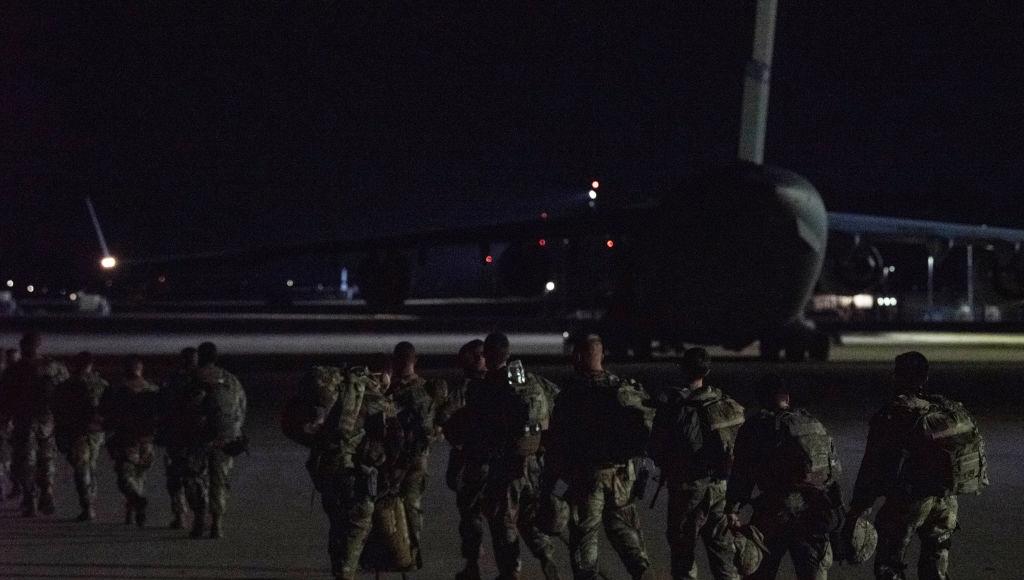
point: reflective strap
(951, 431)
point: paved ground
(274, 532)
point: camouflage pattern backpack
(803, 456)
(306, 410)
(720, 420)
(530, 409)
(949, 452)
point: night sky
(232, 124)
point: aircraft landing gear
(797, 345)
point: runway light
(550, 286)
(592, 194)
(565, 335)
(161, 279)
(610, 244)
(595, 184)
(72, 297)
(30, 288)
(542, 242)
(489, 259)
(290, 283)
(543, 215)
(108, 262)
(10, 283)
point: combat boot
(470, 572)
(46, 505)
(216, 527)
(88, 514)
(140, 511)
(198, 525)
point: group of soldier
(197, 415)
(529, 459)
(544, 463)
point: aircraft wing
(912, 230)
(610, 223)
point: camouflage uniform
(217, 403)
(26, 394)
(599, 432)
(467, 484)
(131, 414)
(344, 464)
(79, 434)
(695, 483)
(508, 484)
(6, 473)
(793, 518)
(175, 458)
(908, 510)
(416, 409)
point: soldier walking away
(9, 487)
(214, 413)
(415, 408)
(789, 456)
(597, 444)
(346, 421)
(500, 431)
(130, 412)
(79, 428)
(467, 497)
(172, 395)
(922, 451)
(692, 442)
(26, 394)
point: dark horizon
(232, 125)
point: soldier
(79, 428)
(692, 442)
(6, 427)
(349, 449)
(598, 441)
(922, 450)
(175, 460)
(415, 407)
(214, 413)
(500, 430)
(467, 497)
(130, 412)
(791, 459)
(26, 394)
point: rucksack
(803, 453)
(530, 409)
(949, 452)
(720, 421)
(306, 409)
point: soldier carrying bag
(720, 421)
(530, 411)
(947, 455)
(803, 456)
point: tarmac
(277, 529)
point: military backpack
(803, 454)
(720, 421)
(306, 409)
(948, 452)
(530, 409)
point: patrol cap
(585, 340)
(750, 549)
(695, 362)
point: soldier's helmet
(750, 549)
(553, 515)
(858, 544)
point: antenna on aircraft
(108, 262)
(756, 84)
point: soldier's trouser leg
(195, 480)
(622, 525)
(132, 464)
(541, 545)
(173, 471)
(607, 499)
(693, 511)
(812, 557)
(414, 485)
(350, 513)
(82, 457)
(471, 517)
(932, 518)
(220, 472)
(501, 508)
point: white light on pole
(592, 194)
(108, 262)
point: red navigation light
(542, 242)
(610, 243)
(595, 184)
(543, 215)
(489, 259)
